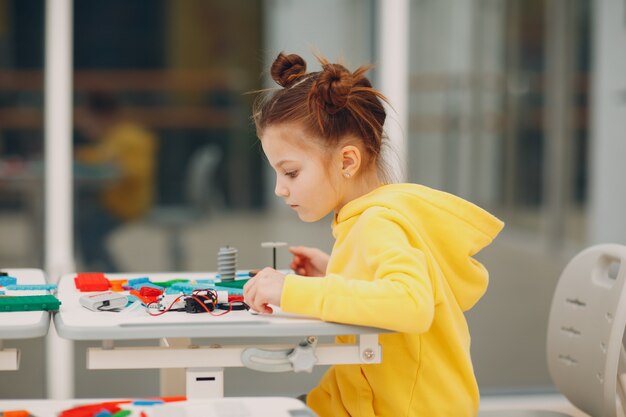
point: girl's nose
(281, 191)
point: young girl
(402, 258)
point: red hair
(330, 104)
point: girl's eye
(292, 174)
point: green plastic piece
(29, 303)
(122, 413)
(167, 284)
(239, 283)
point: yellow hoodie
(402, 261)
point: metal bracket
(299, 359)
(9, 359)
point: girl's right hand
(309, 262)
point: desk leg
(172, 380)
(205, 383)
(9, 359)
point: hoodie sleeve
(394, 290)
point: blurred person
(130, 148)
(403, 253)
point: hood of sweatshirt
(452, 230)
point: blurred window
(499, 110)
(21, 135)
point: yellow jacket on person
(132, 149)
(402, 261)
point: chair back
(585, 330)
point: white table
(21, 324)
(224, 407)
(205, 364)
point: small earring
(346, 174)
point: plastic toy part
(15, 413)
(233, 284)
(227, 263)
(150, 291)
(170, 302)
(117, 285)
(7, 280)
(92, 409)
(134, 281)
(199, 305)
(144, 299)
(29, 303)
(32, 287)
(273, 245)
(107, 301)
(91, 281)
(167, 284)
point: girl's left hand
(266, 287)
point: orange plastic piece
(117, 285)
(16, 413)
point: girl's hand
(266, 287)
(310, 262)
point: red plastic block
(90, 410)
(150, 292)
(144, 298)
(91, 281)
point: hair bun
(333, 87)
(287, 69)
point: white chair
(200, 197)
(585, 356)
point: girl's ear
(350, 160)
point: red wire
(211, 295)
(168, 307)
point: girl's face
(307, 178)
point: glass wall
(21, 164)
(21, 134)
(499, 115)
(160, 99)
(167, 168)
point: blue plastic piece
(140, 285)
(187, 288)
(148, 402)
(131, 299)
(171, 291)
(103, 413)
(7, 280)
(134, 281)
(32, 287)
(231, 291)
